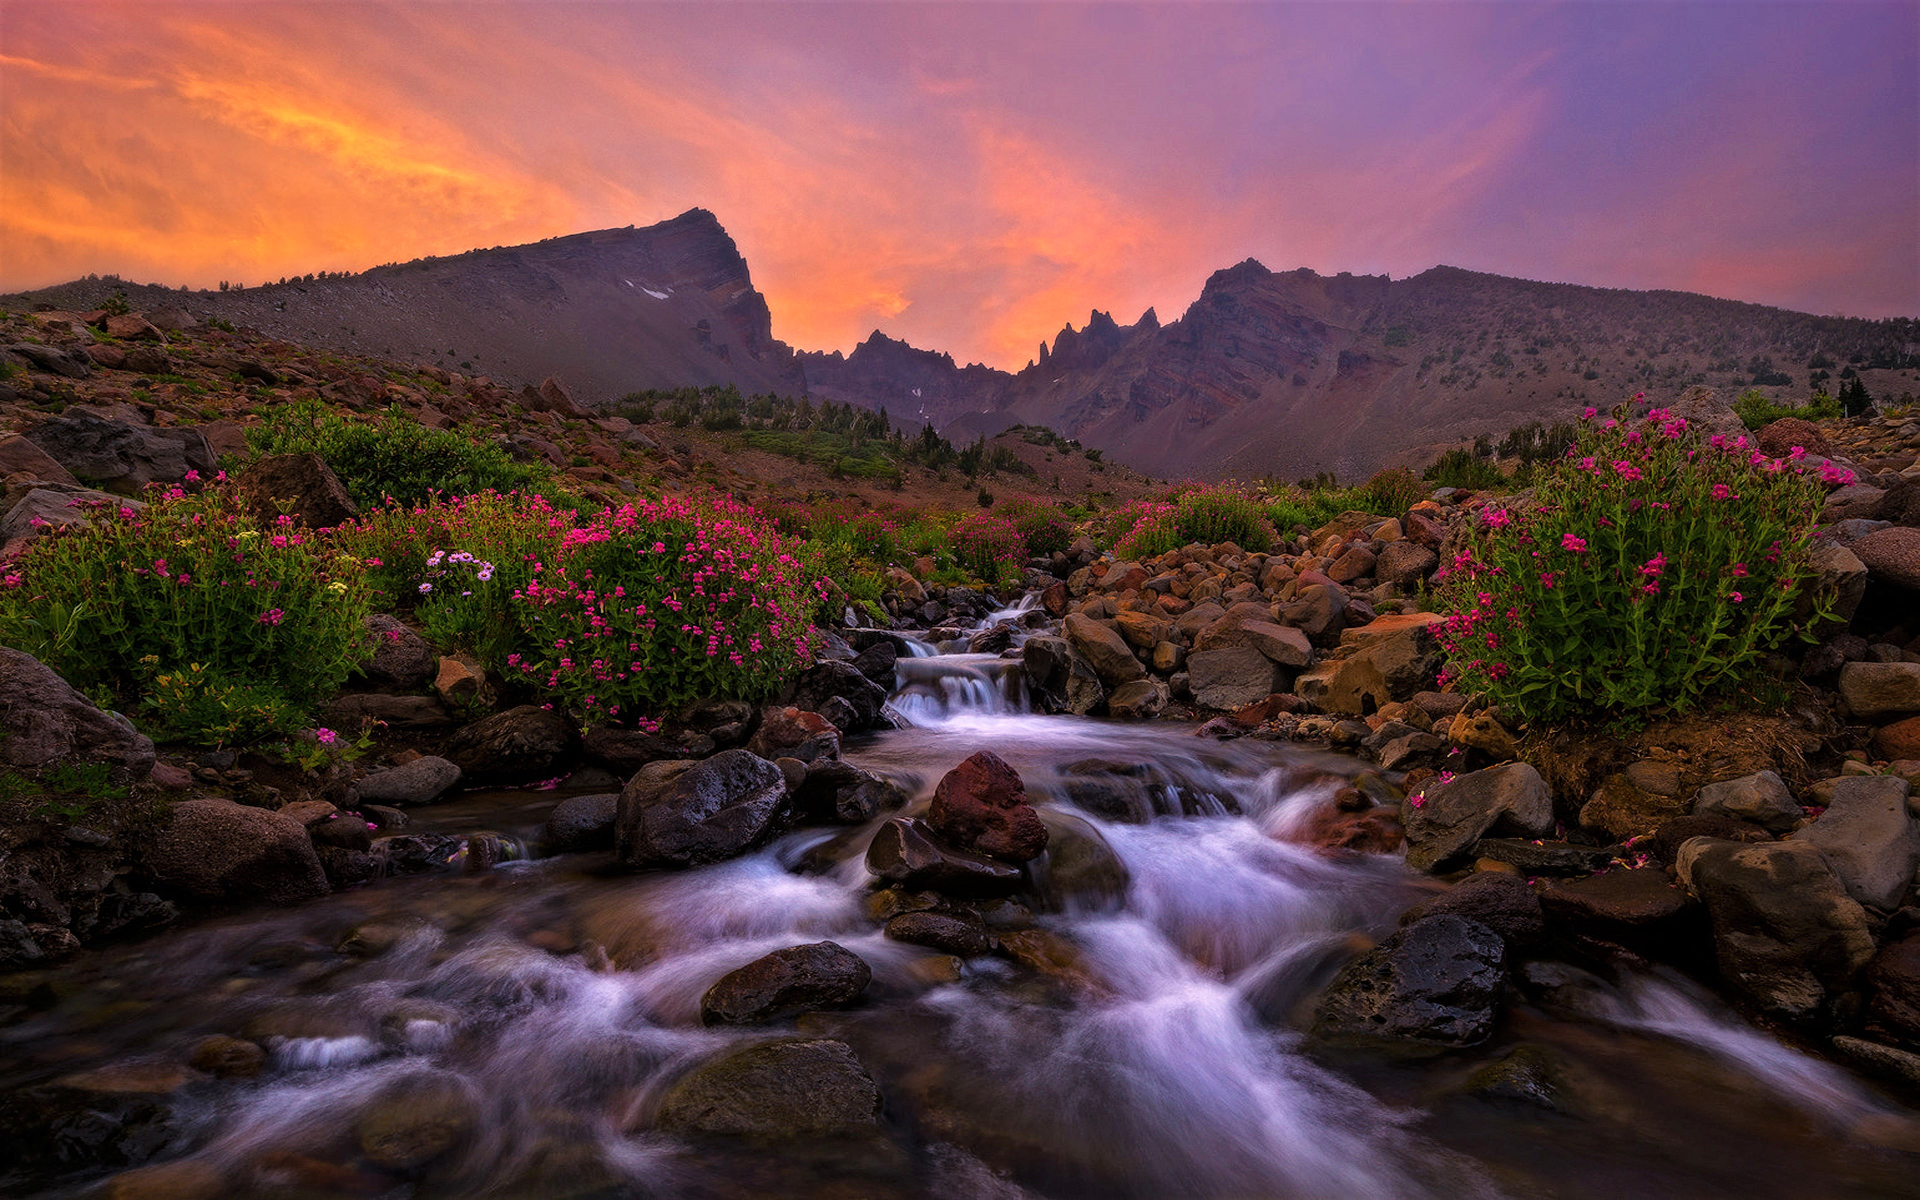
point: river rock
(1876, 691)
(785, 983)
(119, 457)
(1621, 808)
(1402, 647)
(682, 814)
(1500, 900)
(795, 733)
(861, 697)
(981, 806)
(785, 1090)
(1536, 857)
(44, 721)
(946, 932)
(1605, 905)
(624, 751)
(1104, 649)
(1892, 555)
(877, 661)
(1083, 874)
(1786, 933)
(219, 850)
(839, 793)
(1231, 677)
(228, 1057)
(1435, 981)
(416, 1119)
(401, 657)
(581, 824)
(1141, 700)
(417, 713)
(181, 1179)
(1456, 814)
(1869, 838)
(421, 781)
(906, 851)
(519, 746)
(1761, 798)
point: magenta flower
(1575, 544)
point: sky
(972, 177)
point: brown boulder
(1778, 438)
(219, 850)
(44, 721)
(1900, 740)
(981, 806)
(302, 486)
(1891, 554)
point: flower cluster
(989, 546)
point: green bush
(1211, 515)
(396, 457)
(1148, 529)
(1042, 526)
(263, 619)
(1650, 570)
(1390, 493)
(988, 545)
(1755, 410)
(1464, 470)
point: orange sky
(970, 178)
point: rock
(1622, 809)
(906, 851)
(1892, 986)
(461, 683)
(1141, 700)
(1318, 610)
(1888, 1062)
(1435, 981)
(18, 947)
(1544, 858)
(401, 657)
(1105, 650)
(52, 359)
(1761, 798)
(1842, 577)
(302, 486)
(795, 733)
(45, 508)
(1778, 438)
(182, 1179)
(785, 983)
(1282, 644)
(940, 931)
(1855, 502)
(20, 457)
(877, 661)
(421, 781)
(218, 850)
(830, 680)
(1231, 677)
(119, 457)
(840, 793)
(1786, 934)
(396, 712)
(680, 814)
(580, 824)
(1481, 732)
(416, 1119)
(227, 1057)
(1350, 686)
(521, 745)
(1877, 690)
(1499, 900)
(1603, 904)
(1455, 815)
(1526, 1075)
(1083, 874)
(1402, 648)
(624, 751)
(1898, 742)
(1891, 554)
(1142, 630)
(1404, 563)
(1868, 838)
(981, 806)
(44, 721)
(785, 1090)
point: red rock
(1054, 600)
(1898, 740)
(1376, 831)
(1778, 438)
(981, 806)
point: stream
(563, 998)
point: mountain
(608, 312)
(923, 386)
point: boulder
(877, 661)
(1282, 644)
(795, 733)
(1605, 905)
(906, 851)
(521, 745)
(1876, 691)
(681, 814)
(1500, 900)
(421, 781)
(1892, 986)
(834, 792)
(1231, 677)
(946, 932)
(401, 657)
(624, 751)
(1104, 649)
(786, 983)
(1621, 808)
(302, 486)
(1318, 610)
(1869, 838)
(219, 850)
(119, 457)
(1842, 578)
(57, 506)
(1778, 438)
(1405, 563)
(20, 457)
(44, 721)
(1899, 741)
(1402, 648)
(1786, 933)
(1761, 798)
(1142, 630)
(1891, 554)
(351, 710)
(1350, 686)
(981, 806)
(416, 1119)
(1141, 700)
(787, 1090)
(580, 824)
(1453, 816)
(461, 683)
(52, 359)
(862, 697)
(1436, 981)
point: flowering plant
(989, 546)
(1649, 567)
(1142, 529)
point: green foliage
(1043, 527)
(988, 545)
(1649, 571)
(189, 583)
(1211, 515)
(1392, 492)
(395, 457)
(1462, 469)
(1755, 410)
(63, 791)
(193, 704)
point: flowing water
(562, 998)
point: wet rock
(302, 486)
(1435, 981)
(521, 745)
(1231, 677)
(51, 1130)
(1868, 838)
(877, 661)
(1892, 986)
(1456, 815)
(44, 721)
(1605, 904)
(679, 814)
(417, 1119)
(1888, 1062)
(1876, 691)
(415, 713)
(218, 850)
(228, 1057)
(1762, 799)
(1786, 933)
(940, 931)
(421, 781)
(401, 657)
(119, 457)
(18, 946)
(785, 1090)
(1082, 874)
(624, 751)
(1141, 700)
(981, 806)
(581, 824)
(785, 983)
(906, 851)
(184, 1179)
(1104, 649)
(1526, 1075)
(1621, 808)
(1499, 900)
(795, 733)
(860, 696)
(843, 794)
(1543, 857)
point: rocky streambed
(1104, 958)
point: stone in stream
(1104, 649)
(839, 793)
(906, 851)
(861, 699)
(219, 850)
(1435, 981)
(1761, 798)
(1141, 700)
(1453, 817)
(786, 1090)
(1868, 838)
(416, 1119)
(795, 733)
(1500, 900)
(786, 983)
(940, 931)
(683, 814)
(580, 824)
(421, 781)
(981, 806)
(519, 746)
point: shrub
(1755, 410)
(264, 619)
(396, 458)
(658, 603)
(1151, 531)
(1042, 526)
(989, 546)
(1392, 492)
(1649, 570)
(1222, 514)
(1463, 470)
